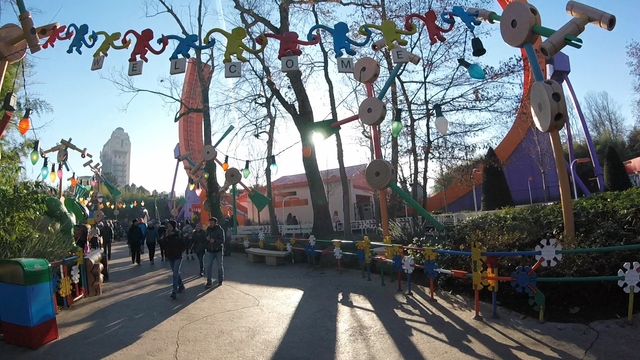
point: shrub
(615, 174)
(495, 189)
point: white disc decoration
(548, 252)
(372, 111)
(366, 70)
(98, 216)
(516, 24)
(337, 252)
(548, 105)
(379, 174)
(631, 277)
(407, 264)
(312, 240)
(232, 176)
(208, 153)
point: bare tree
(604, 117)
(633, 53)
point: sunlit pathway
(293, 312)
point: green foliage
(495, 189)
(615, 174)
(23, 231)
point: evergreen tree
(615, 174)
(495, 189)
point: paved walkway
(293, 312)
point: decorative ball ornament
(208, 153)
(232, 176)
(366, 70)
(372, 111)
(516, 24)
(379, 174)
(306, 151)
(548, 252)
(548, 105)
(631, 277)
(408, 264)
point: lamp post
(473, 186)
(529, 185)
(283, 215)
(573, 174)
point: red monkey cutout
(289, 43)
(142, 44)
(429, 19)
(56, 31)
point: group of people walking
(206, 245)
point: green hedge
(601, 220)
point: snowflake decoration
(337, 252)
(312, 240)
(430, 269)
(75, 274)
(245, 243)
(261, 236)
(548, 252)
(309, 250)
(65, 287)
(55, 282)
(407, 264)
(289, 248)
(631, 277)
(523, 279)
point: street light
(573, 174)
(473, 184)
(529, 184)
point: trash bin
(27, 310)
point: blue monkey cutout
(469, 19)
(79, 40)
(185, 44)
(340, 39)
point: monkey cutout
(434, 30)
(143, 45)
(56, 34)
(235, 46)
(79, 40)
(390, 33)
(289, 43)
(185, 44)
(469, 19)
(340, 39)
(109, 43)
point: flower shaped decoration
(365, 247)
(522, 279)
(65, 287)
(279, 245)
(548, 252)
(289, 248)
(337, 252)
(631, 277)
(312, 240)
(536, 299)
(397, 262)
(261, 244)
(407, 264)
(309, 250)
(245, 243)
(55, 282)
(261, 236)
(75, 274)
(430, 269)
(80, 255)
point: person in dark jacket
(199, 244)
(151, 238)
(107, 237)
(134, 240)
(214, 248)
(174, 246)
(81, 235)
(162, 230)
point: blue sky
(88, 108)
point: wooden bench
(271, 257)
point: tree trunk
(272, 210)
